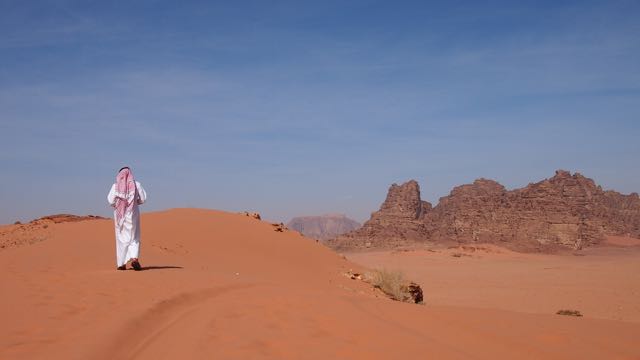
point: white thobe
(127, 236)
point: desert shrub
(569, 312)
(390, 282)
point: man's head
(122, 168)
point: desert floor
(601, 282)
(225, 286)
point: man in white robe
(125, 196)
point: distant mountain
(563, 212)
(323, 227)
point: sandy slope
(225, 286)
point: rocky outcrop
(62, 218)
(413, 293)
(564, 212)
(323, 227)
(253, 215)
(37, 230)
(403, 203)
(399, 220)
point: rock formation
(400, 218)
(62, 218)
(323, 227)
(37, 230)
(563, 212)
(253, 215)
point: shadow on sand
(145, 268)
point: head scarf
(125, 194)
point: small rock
(353, 276)
(254, 215)
(415, 292)
(569, 313)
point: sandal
(123, 267)
(136, 265)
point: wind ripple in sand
(142, 332)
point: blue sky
(299, 108)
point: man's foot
(123, 267)
(136, 265)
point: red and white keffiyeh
(126, 194)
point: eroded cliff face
(399, 220)
(564, 212)
(403, 203)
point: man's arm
(111, 197)
(142, 195)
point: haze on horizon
(305, 107)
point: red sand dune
(226, 286)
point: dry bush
(390, 282)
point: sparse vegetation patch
(394, 284)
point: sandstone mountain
(323, 227)
(563, 212)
